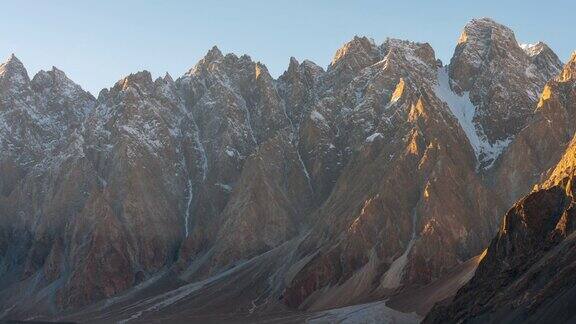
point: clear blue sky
(98, 42)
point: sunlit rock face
(534, 246)
(502, 80)
(539, 146)
(528, 266)
(227, 189)
(376, 230)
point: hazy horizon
(97, 44)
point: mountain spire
(14, 70)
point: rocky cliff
(527, 272)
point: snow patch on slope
(464, 111)
(374, 136)
(526, 47)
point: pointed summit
(168, 78)
(293, 65)
(12, 63)
(293, 70)
(482, 40)
(539, 49)
(483, 32)
(13, 58)
(55, 79)
(309, 65)
(141, 79)
(213, 54)
(306, 66)
(355, 55)
(14, 71)
(358, 48)
(534, 49)
(502, 79)
(293, 61)
(261, 71)
(307, 72)
(59, 75)
(543, 57)
(484, 28)
(569, 70)
(485, 21)
(57, 70)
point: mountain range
(387, 187)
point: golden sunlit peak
(356, 44)
(259, 69)
(463, 38)
(569, 70)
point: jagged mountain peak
(261, 72)
(413, 52)
(166, 85)
(312, 65)
(168, 78)
(534, 49)
(480, 40)
(569, 70)
(213, 54)
(484, 39)
(54, 75)
(12, 59)
(402, 43)
(293, 63)
(479, 36)
(484, 28)
(13, 69)
(359, 49)
(297, 81)
(489, 65)
(485, 21)
(294, 66)
(139, 79)
(544, 58)
(215, 62)
(57, 82)
(58, 74)
(355, 55)
(565, 171)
